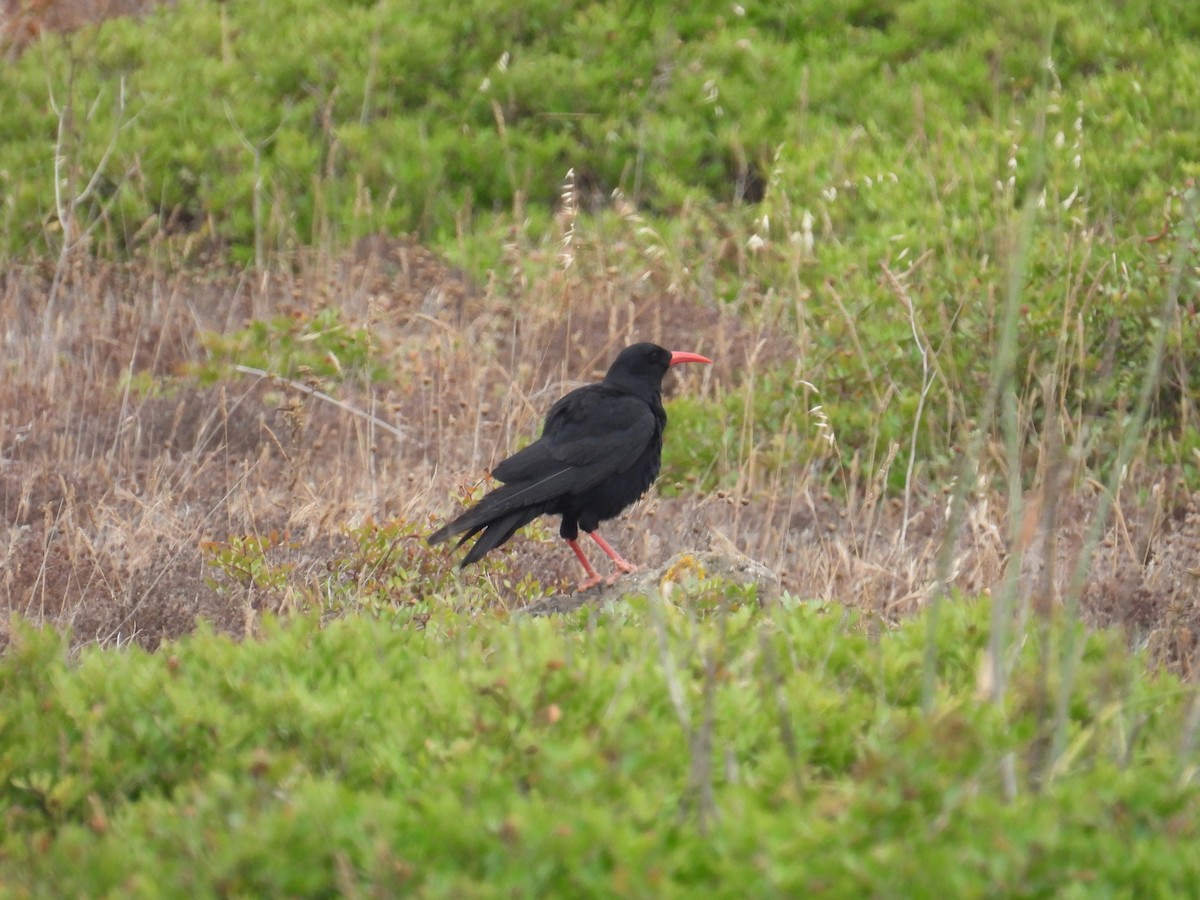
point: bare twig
(321, 395)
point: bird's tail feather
(497, 532)
(500, 503)
(471, 521)
(495, 516)
(520, 496)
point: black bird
(600, 450)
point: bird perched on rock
(600, 450)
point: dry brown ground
(23, 22)
(108, 495)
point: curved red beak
(682, 356)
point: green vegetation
(775, 422)
(647, 748)
(386, 571)
(403, 115)
(296, 346)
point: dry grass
(23, 22)
(107, 495)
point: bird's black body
(600, 450)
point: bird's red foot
(624, 568)
(616, 576)
(618, 561)
(592, 576)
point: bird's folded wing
(599, 440)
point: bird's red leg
(593, 577)
(619, 561)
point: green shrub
(642, 748)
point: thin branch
(321, 395)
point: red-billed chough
(600, 450)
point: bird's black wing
(589, 435)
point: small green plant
(636, 749)
(244, 560)
(144, 384)
(770, 425)
(297, 346)
(390, 567)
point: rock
(681, 569)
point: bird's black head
(640, 367)
(640, 364)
